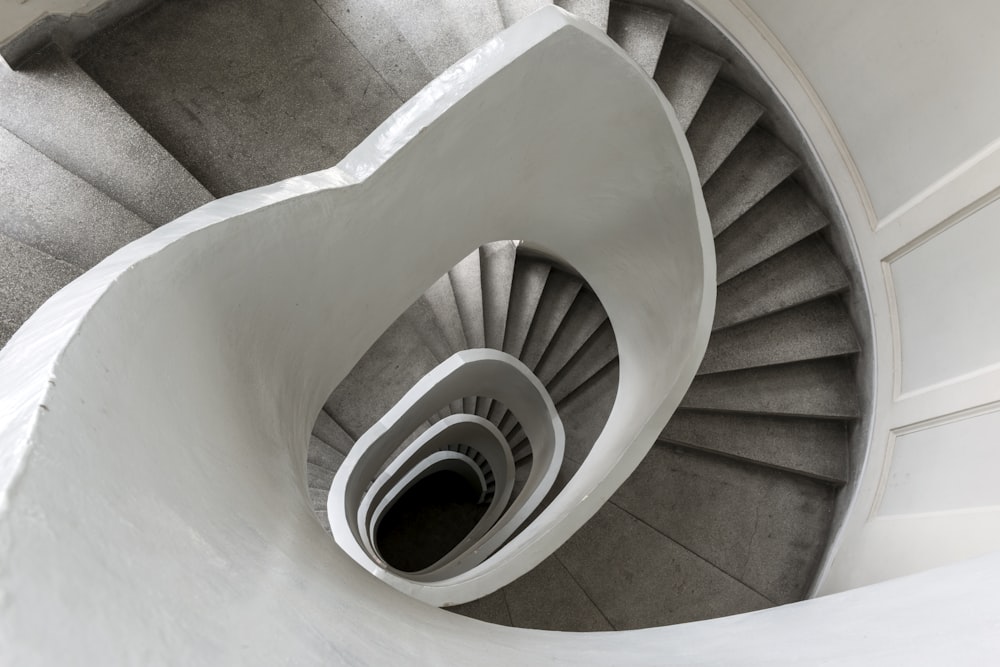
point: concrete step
(640, 578)
(561, 290)
(547, 598)
(497, 262)
(593, 11)
(28, 277)
(513, 11)
(436, 318)
(685, 73)
(492, 609)
(330, 432)
(466, 282)
(584, 318)
(242, 94)
(371, 28)
(393, 364)
(50, 209)
(443, 32)
(530, 276)
(53, 106)
(812, 330)
(757, 165)
(821, 388)
(723, 119)
(815, 448)
(781, 219)
(599, 350)
(640, 31)
(806, 271)
(764, 528)
(318, 476)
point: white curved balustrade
(156, 411)
(424, 456)
(357, 484)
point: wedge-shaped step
(51, 104)
(375, 34)
(812, 447)
(724, 118)
(466, 281)
(547, 598)
(811, 331)
(640, 31)
(496, 261)
(594, 12)
(48, 208)
(28, 277)
(561, 290)
(758, 164)
(581, 322)
(685, 73)
(324, 456)
(319, 477)
(780, 220)
(600, 350)
(765, 528)
(389, 368)
(823, 388)
(806, 271)
(330, 432)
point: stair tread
(371, 29)
(813, 330)
(584, 318)
(497, 261)
(28, 277)
(594, 12)
(547, 598)
(806, 271)
(530, 276)
(324, 456)
(820, 388)
(561, 290)
(755, 167)
(318, 476)
(329, 431)
(466, 282)
(813, 447)
(782, 218)
(513, 11)
(287, 93)
(723, 119)
(640, 31)
(599, 350)
(49, 208)
(685, 73)
(442, 33)
(52, 105)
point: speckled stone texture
(640, 31)
(724, 118)
(685, 73)
(28, 277)
(56, 108)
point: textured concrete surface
(758, 164)
(496, 261)
(813, 447)
(396, 361)
(371, 29)
(586, 410)
(330, 432)
(466, 282)
(492, 609)
(811, 331)
(723, 119)
(530, 276)
(444, 31)
(286, 93)
(640, 31)
(48, 208)
(547, 598)
(51, 104)
(806, 271)
(763, 527)
(561, 290)
(779, 220)
(612, 557)
(581, 322)
(513, 11)
(599, 350)
(823, 388)
(324, 456)
(28, 277)
(685, 73)
(592, 11)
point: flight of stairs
(731, 511)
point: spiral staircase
(732, 509)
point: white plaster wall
(898, 98)
(16, 15)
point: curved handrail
(157, 410)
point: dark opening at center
(428, 520)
